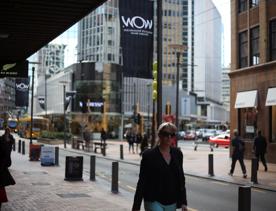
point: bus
(39, 124)
(12, 124)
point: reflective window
(254, 46)
(243, 51)
(254, 3)
(242, 5)
(248, 122)
(272, 34)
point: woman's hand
(184, 208)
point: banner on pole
(136, 20)
(22, 92)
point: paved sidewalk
(196, 164)
(44, 189)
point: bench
(99, 145)
(76, 143)
(203, 143)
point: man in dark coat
(238, 153)
(260, 149)
(6, 142)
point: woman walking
(161, 180)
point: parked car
(207, 133)
(220, 140)
(181, 134)
(190, 135)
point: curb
(219, 179)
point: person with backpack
(260, 149)
(237, 153)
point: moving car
(207, 133)
(220, 140)
(190, 135)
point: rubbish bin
(73, 168)
(35, 150)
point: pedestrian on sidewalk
(144, 144)
(103, 137)
(260, 149)
(138, 141)
(6, 142)
(161, 180)
(237, 153)
(131, 140)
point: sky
(223, 7)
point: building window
(254, 48)
(272, 46)
(242, 5)
(248, 122)
(254, 3)
(243, 51)
(273, 124)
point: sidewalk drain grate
(34, 172)
(40, 183)
(73, 195)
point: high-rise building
(51, 61)
(225, 88)
(99, 35)
(207, 62)
(253, 72)
(7, 95)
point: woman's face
(166, 135)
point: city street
(203, 194)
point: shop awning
(271, 97)
(246, 99)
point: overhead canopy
(271, 97)
(246, 99)
(26, 26)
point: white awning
(246, 99)
(271, 97)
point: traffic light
(154, 83)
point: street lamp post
(64, 110)
(32, 107)
(64, 114)
(148, 124)
(178, 50)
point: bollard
(114, 182)
(103, 149)
(92, 168)
(13, 147)
(56, 156)
(211, 164)
(244, 198)
(195, 148)
(121, 152)
(19, 146)
(23, 147)
(254, 170)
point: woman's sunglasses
(167, 134)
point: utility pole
(32, 107)
(159, 61)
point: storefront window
(248, 122)
(273, 123)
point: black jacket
(147, 186)
(5, 162)
(260, 145)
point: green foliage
(54, 135)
